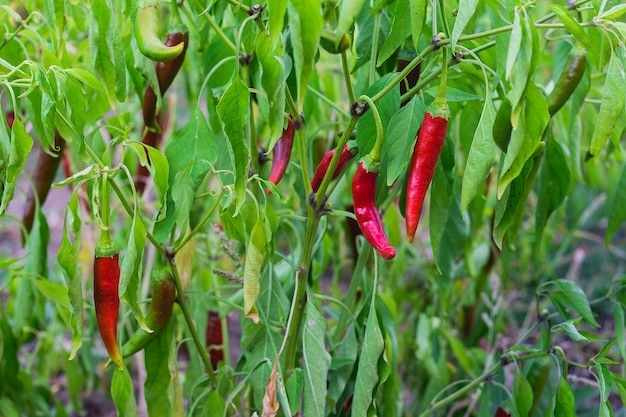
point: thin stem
(218, 31)
(105, 201)
(327, 101)
(300, 141)
(182, 301)
(378, 145)
(346, 75)
(374, 49)
(441, 94)
(206, 218)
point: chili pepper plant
(312, 208)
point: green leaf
(618, 316)
(160, 363)
(532, 121)
(612, 105)
(130, 270)
(158, 167)
(402, 131)
(604, 381)
(123, 393)
(367, 373)
(621, 387)
(466, 10)
(316, 362)
(306, 22)
(571, 24)
(522, 393)
(67, 257)
(341, 366)
(255, 257)
(20, 145)
(56, 293)
(233, 109)
(277, 10)
(577, 300)
(616, 208)
(417, 10)
(347, 14)
(565, 402)
(400, 29)
(553, 184)
(481, 156)
(569, 327)
(271, 60)
(613, 13)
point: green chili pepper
(147, 28)
(568, 80)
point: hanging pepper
(502, 126)
(214, 338)
(348, 152)
(10, 119)
(147, 28)
(430, 140)
(166, 73)
(106, 279)
(366, 212)
(568, 80)
(159, 312)
(47, 166)
(281, 154)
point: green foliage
(511, 300)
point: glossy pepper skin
(166, 72)
(346, 155)
(366, 212)
(159, 313)
(214, 338)
(47, 167)
(106, 280)
(281, 154)
(147, 27)
(502, 126)
(430, 140)
(568, 80)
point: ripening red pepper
(10, 119)
(159, 312)
(366, 212)
(106, 280)
(166, 72)
(214, 338)
(346, 155)
(430, 140)
(281, 154)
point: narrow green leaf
(612, 105)
(123, 393)
(515, 44)
(271, 60)
(577, 300)
(481, 156)
(56, 293)
(316, 362)
(367, 374)
(306, 22)
(522, 393)
(160, 372)
(277, 10)
(233, 109)
(553, 184)
(618, 316)
(565, 402)
(569, 327)
(613, 13)
(255, 257)
(604, 381)
(616, 208)
(342, 364)
(20, 146)
(400, 29)
(67, 257)
(417, 9)
(466, 10)
(402, 131)
(572, 24)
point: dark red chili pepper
(10, 119)
(346, 155)
(430, 139)
(159, 312)
(500, 412)
(568, 80)
(152, 138)
(214, 338)
(47, 166)
(366, 212)
(166, 72)
(281, 154)
(106, 279)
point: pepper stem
(440, 105)
(105, 200)
(372, 159)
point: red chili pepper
(214, 338)
(430, 139)
(364, 199)
(346, 155)
(106, 279)
(500, 412)
(281, 154)
(10, 119)
(166, 72)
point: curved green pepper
(502, 126)
(568, 80)
(159, 312)
(147, 28)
